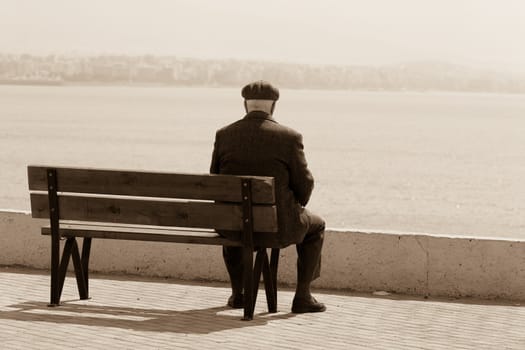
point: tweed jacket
(258, 145)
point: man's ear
(245, 106)
(273, 107)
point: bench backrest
(153, 198)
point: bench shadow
(196, 321)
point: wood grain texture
(220, 216)
(225, 188)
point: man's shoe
(303, 305)
(236, 301)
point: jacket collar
(259, 115)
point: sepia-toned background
(412, 112)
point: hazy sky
(489, 33)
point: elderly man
(258, 145)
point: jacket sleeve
(215, 166)
(301, 179)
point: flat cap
(260, 90)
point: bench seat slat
(142, 234)
(158, 213)
(152, 184)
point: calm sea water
(417, 162)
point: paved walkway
(131, 313)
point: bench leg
(259, 261)
(274, 264)
(55, 271)
(64, 262)
(248, 283)
(270, 289)
(86, 250)
(79, 271)
(70, 251)
(252, 277)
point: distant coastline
(149, 70)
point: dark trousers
(308, 255)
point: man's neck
(265, 106)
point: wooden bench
(158, 207)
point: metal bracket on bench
(247, 242)
(54, 217)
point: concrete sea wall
(417, 264)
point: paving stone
(126, 312)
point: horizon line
(428, 61)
